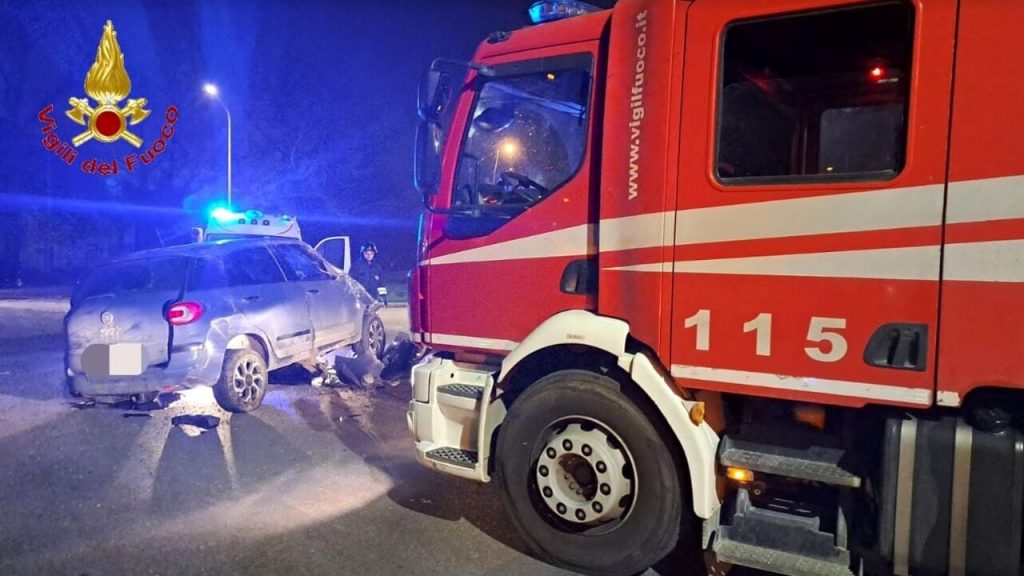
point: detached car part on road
(217, 314)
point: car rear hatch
(121, 307)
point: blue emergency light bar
(550, 10)
(222, 214)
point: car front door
(330, 299)
(269, 303)
(337, 251)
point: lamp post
(508, 147)
(212, 91)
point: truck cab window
(526, 138)
(815, 96)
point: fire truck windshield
(526, 138)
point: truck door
(516, 189)
(983, 276)
(809, 220)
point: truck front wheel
(586, 477)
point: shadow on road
(372, 424)
(240, 455)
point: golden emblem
(107, 83)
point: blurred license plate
(106, 360)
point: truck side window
(526, 137)
(815, 96)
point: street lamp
(212, 91)
(508, 147)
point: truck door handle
(313, 291)
(250, 298)
(901, 346)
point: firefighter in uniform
(367, 270)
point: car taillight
(181, 313)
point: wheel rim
(249, 380)
(584, 476)
(375, 335)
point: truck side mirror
(198, 235)
(427, 157)
(434, 95)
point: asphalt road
(317, 481)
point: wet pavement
(317, 481)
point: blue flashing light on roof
(222, 214)
(550, 10)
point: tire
(632, 518)
(243, 381)
(373, 337)
(70, 388)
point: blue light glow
(550, 10)
(222, 214)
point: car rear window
(135, 276)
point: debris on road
(326, 375)
(149, 406)
(136, 415)
(399, 358)
(361, 371)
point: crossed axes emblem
(134, 111)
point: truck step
(462, 390)
(455, 456)
(770, 560)
(776, 540)
(815, 463)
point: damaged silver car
(218, 314)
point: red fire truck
(740, 276)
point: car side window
(251, 266)
(207, 274)
(300, 263)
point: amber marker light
(739, 474)
(697, 413)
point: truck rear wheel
(586, 477)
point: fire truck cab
(733, 276)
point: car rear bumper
(190, 365)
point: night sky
(321, 93)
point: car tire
(574, 447)
(70, 388)
(243, 381)
(373, 337)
